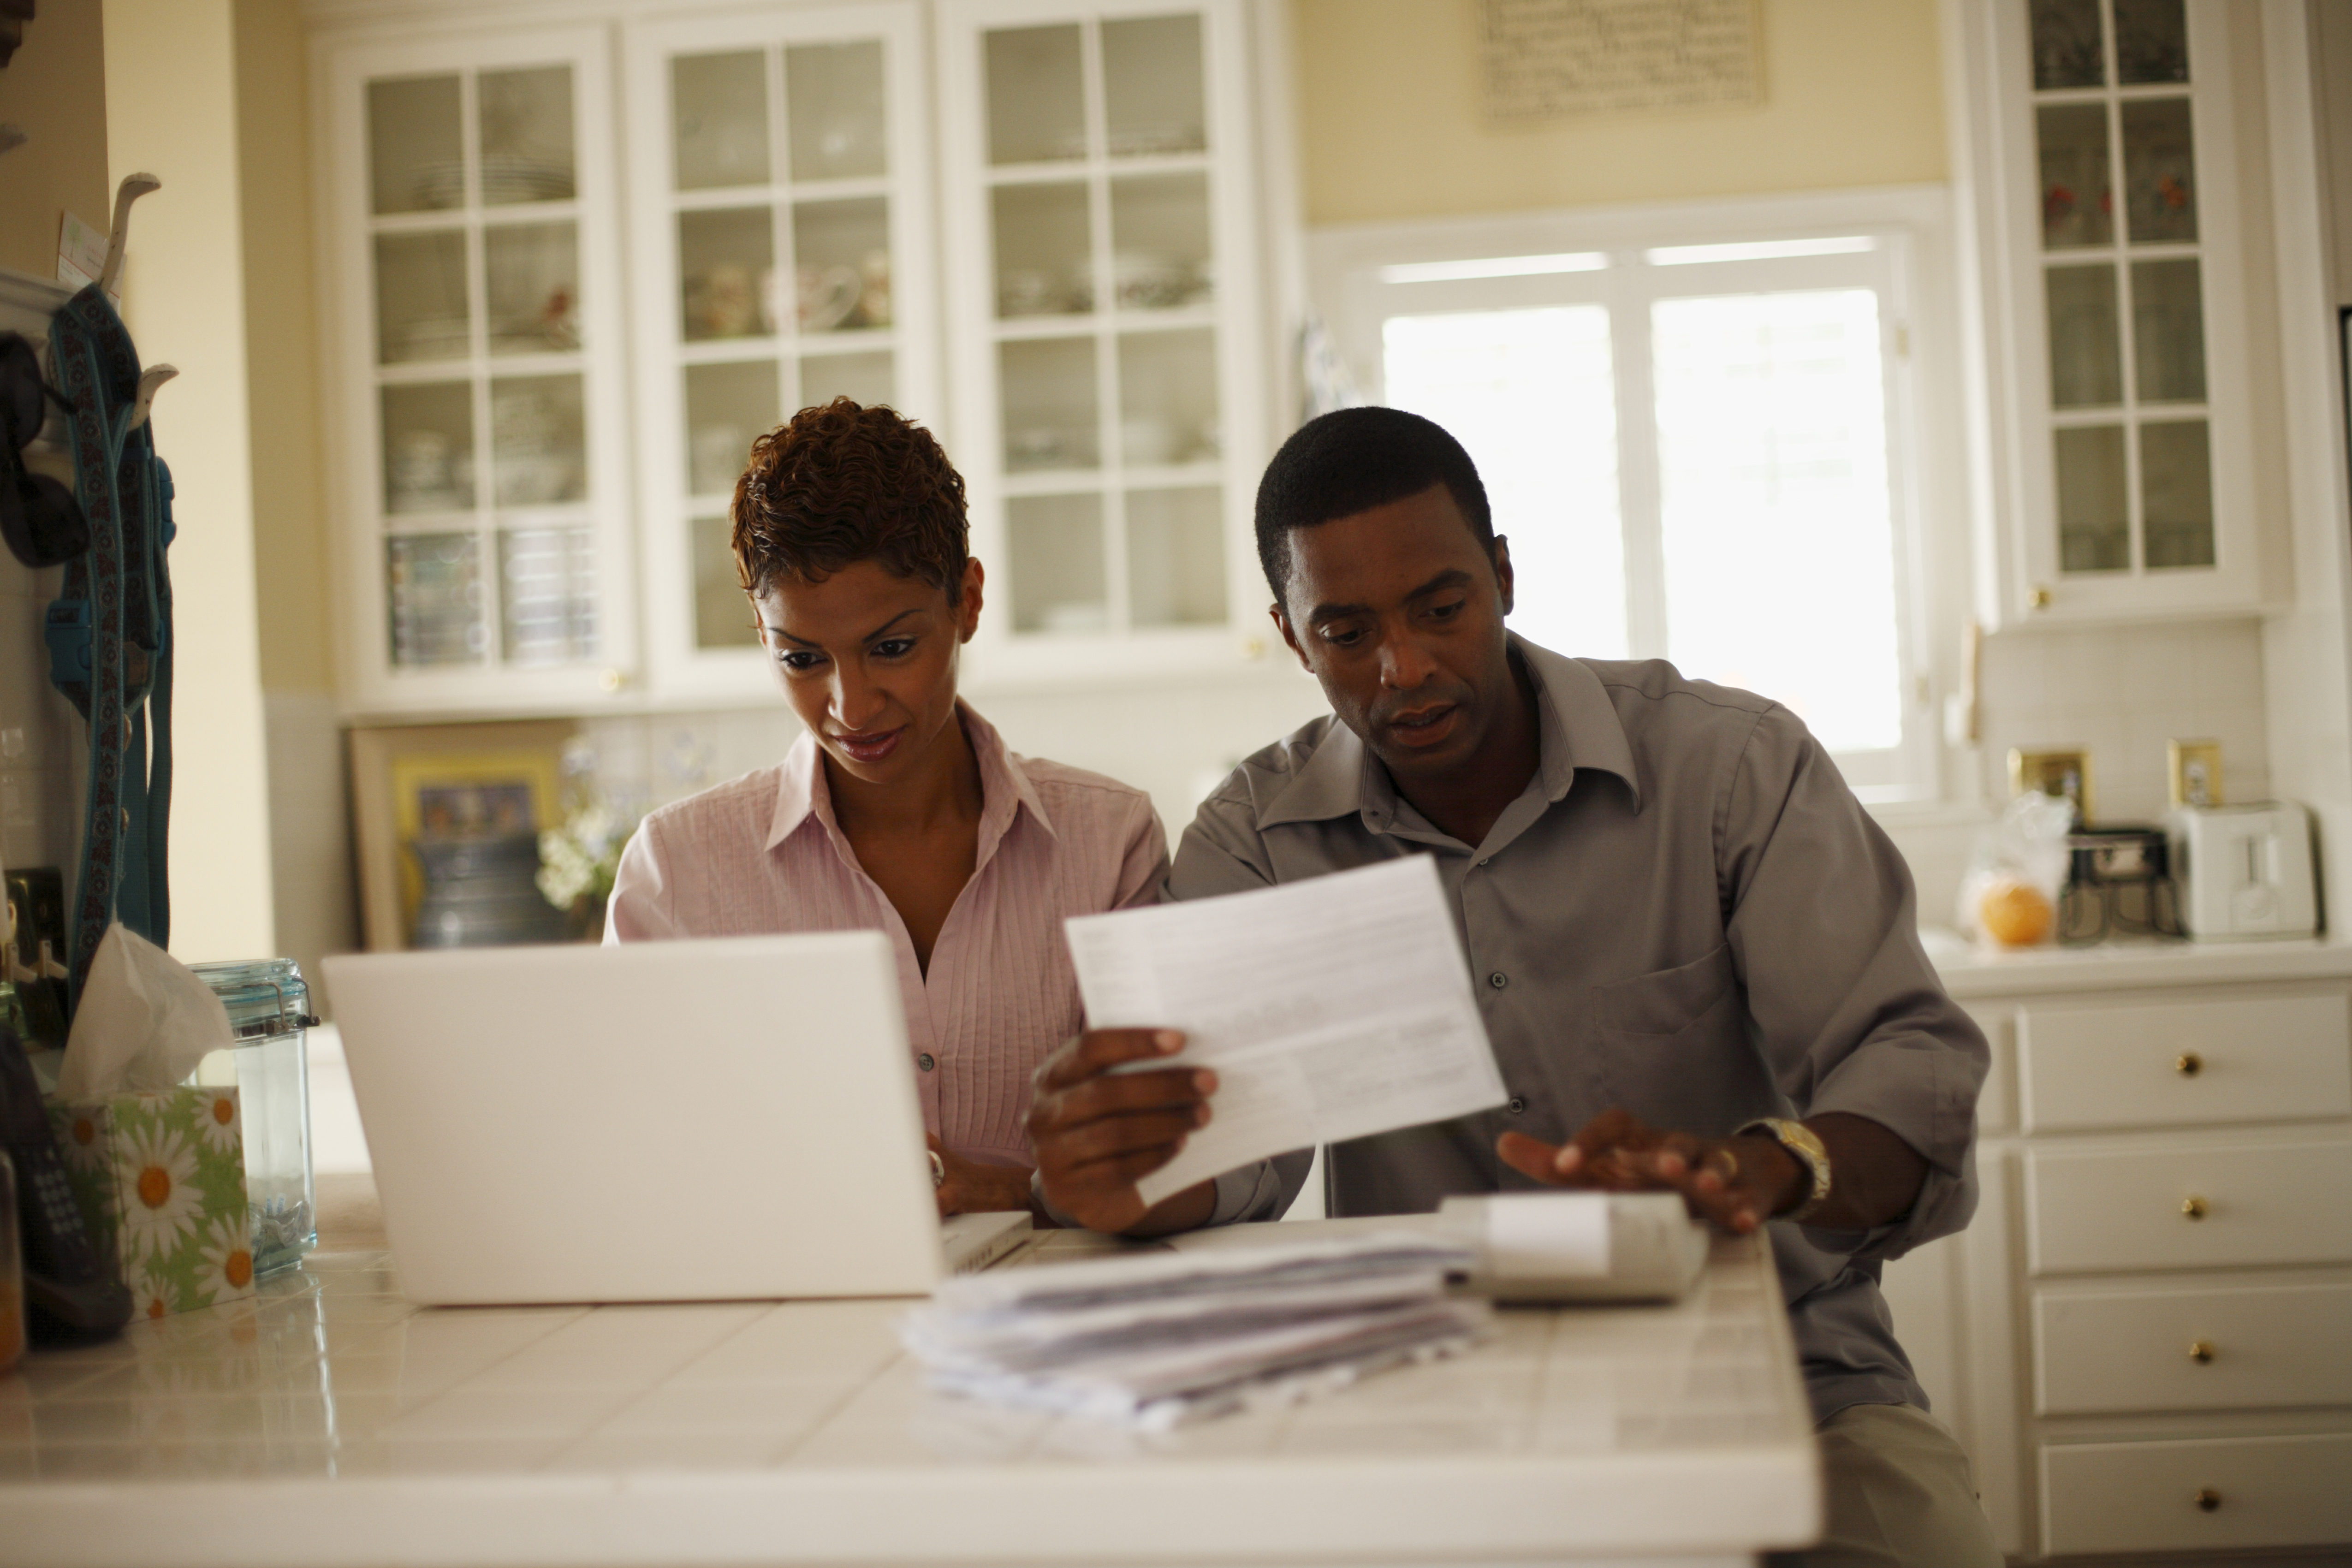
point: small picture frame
(2195, 770)
(2066, 774)
(441, 778)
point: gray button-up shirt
(1686, 914)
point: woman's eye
(799, 660)
(893, 647)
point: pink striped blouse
(762, 854)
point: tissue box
(160, 1177)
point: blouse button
(925, 1061)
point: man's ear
(1282, 624)
(968, 601)
(1503, 579)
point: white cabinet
(781, 255)
(483, 543)
(2146, 1335)
(539, 423)
(2101, 171)
(1105, 320)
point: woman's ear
(968, 601)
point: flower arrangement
(578, 858)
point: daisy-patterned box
(161, 1179)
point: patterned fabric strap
(109, 632)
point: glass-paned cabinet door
(1109, 389)
(783, 256)
(2132, 270)
(483, 537)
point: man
(1684, 930)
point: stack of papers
(1154, 1340)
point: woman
(900, 809)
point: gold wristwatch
(1804, 1148)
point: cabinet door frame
(2023, 582)
(679, 667)
(370, 683)
(1001, 659)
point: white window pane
(1528, 394)
(1777, 526)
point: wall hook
(153, 376)
(133, 187)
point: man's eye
(1343, 637)
(1446, 612)
(894, 647)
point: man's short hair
(1351, 460)
(846, 483)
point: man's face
(868, 661)
(1399, 613)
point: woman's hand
(973, 1187)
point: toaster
(2243, 870)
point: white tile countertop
(1970, 969)
(331, 1422)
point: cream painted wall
(172, 110)
(54, 90)
(1391, 126)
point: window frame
(1933, 544)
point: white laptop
(661, 1121)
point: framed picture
(442, 783)
(2066, 774)
(2195, 769)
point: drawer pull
(2194, 1208)
(2208, 1499)
(2188, 1064)
(2201, 1352)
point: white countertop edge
(1480, 1506)
(1975, 970)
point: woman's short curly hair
(846, 483)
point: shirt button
(1518, 1104)
(925, 1061)
(1498, 980)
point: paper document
(1332, 1008)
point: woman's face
(867, 659)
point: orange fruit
(2013, 913)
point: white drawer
(2257, 1059)
(2103, 1351)
(2096, 1210)
(2145, 1497)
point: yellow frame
(390, 766)
(2181, 756)
(2041, 769)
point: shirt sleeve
(1143, 867)
(639, 907)
(1850, 1014)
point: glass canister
(12, 1265)
(270, 1008)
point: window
(1696, 452)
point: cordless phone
(71, 1292)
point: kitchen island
(330, 1421)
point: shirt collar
(1577, 728)
(1005, 787)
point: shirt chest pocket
(1672, 1048)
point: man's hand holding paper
(1324, 1010)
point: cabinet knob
(2194, 1207)
(2188, 1064)
(2207, 1499)
(1253, 648)
(2039, 598)
(2201, 1352)
(613, 679)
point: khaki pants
(1900, 1494)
